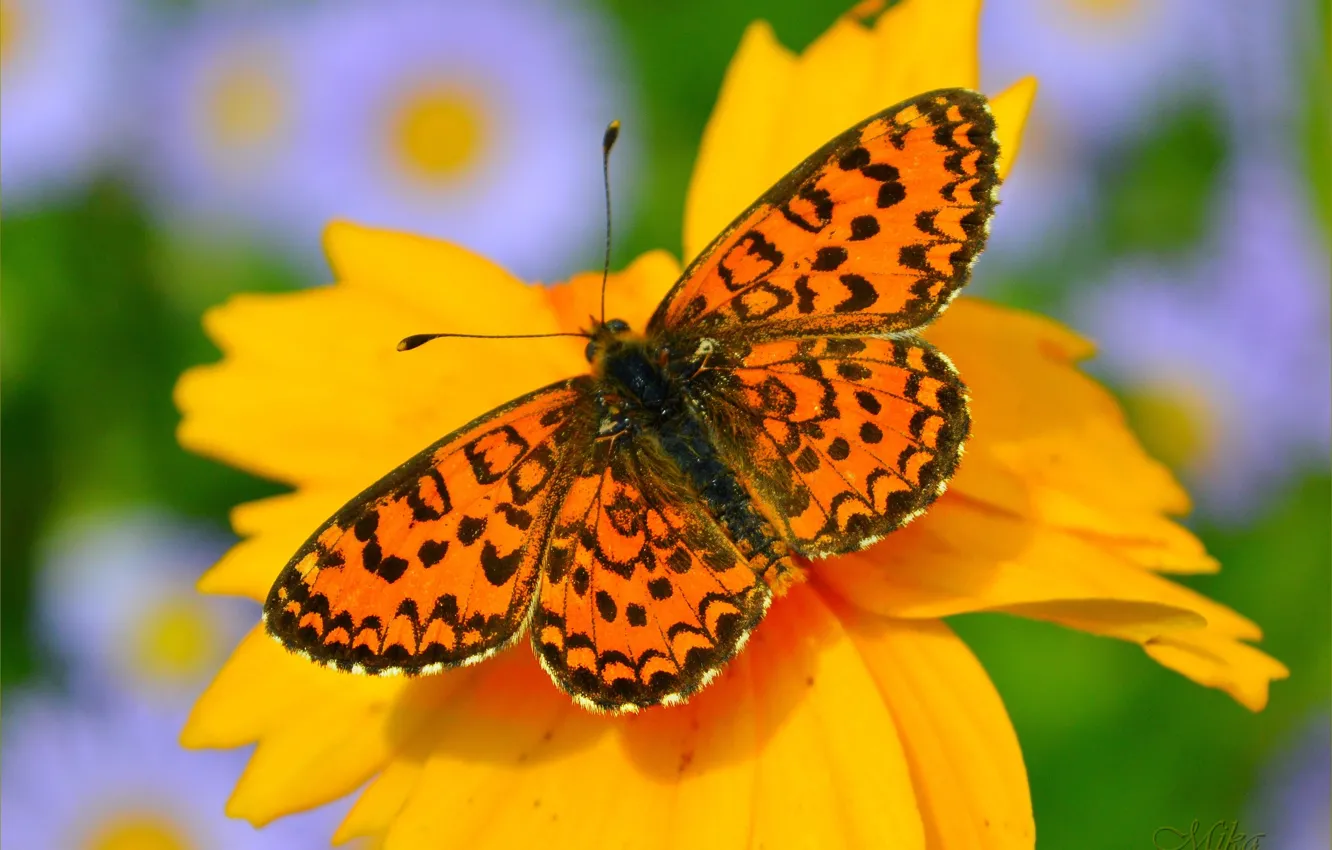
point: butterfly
(636, 521)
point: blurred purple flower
(1256, 59)
(62, 87)
(223, 100)
(116, 601)
(479, 123)
(113, 776)
(1111, 70)
(1104, 65)
(1291, 802)
(1049, 193)
(1232, 350)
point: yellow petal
(295, 769)
(726, 180)
(339, 737)
(272, 530)
(1011, 108)
(1035, 415)
(927, 46)
(833, 745)
(226, 714)
(313, 390)
(1139, 622)
(833, 87)
(321, 733)
(963, 751)
(632, 294)
(481, 750)
(776, 108)
(792, 747)
(1218, 661)
(1050, 444)
(962, 557)
(379, 803)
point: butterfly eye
(591, 351)
(617, 326)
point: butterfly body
(649, 393)
(636, 521)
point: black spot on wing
(861, 294)
(863, 227)
(498, 568)
(365, 527)
(432, 552)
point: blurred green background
(103, 296)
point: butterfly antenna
(607, 142)
(418, 340)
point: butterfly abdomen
(663, 411)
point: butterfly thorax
(645, 396)
(624, 362)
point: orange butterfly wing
(873, 233)
(643, 596)
(843, 439)
(635, 593)
(436, 564)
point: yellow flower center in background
(137, 832)
(10, 24)
(1174, 422)
(245, 106)
(437, 133)
(176, 640)
(1093, 12)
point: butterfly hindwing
(873, 233)
(643, 596)
(435, 564)
(844, 439)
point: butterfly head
(606, 338)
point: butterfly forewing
(873, 233)
(643, 596)
(436, 564)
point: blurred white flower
(114, 778)
(62, 84)
(116, 602)
(476, 122)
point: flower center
(175, 640)
(437, 133)
(1106, 9)
(10, 26)
(1173, 421)
(245, 106)
(137, 832)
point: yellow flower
(855, 716)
